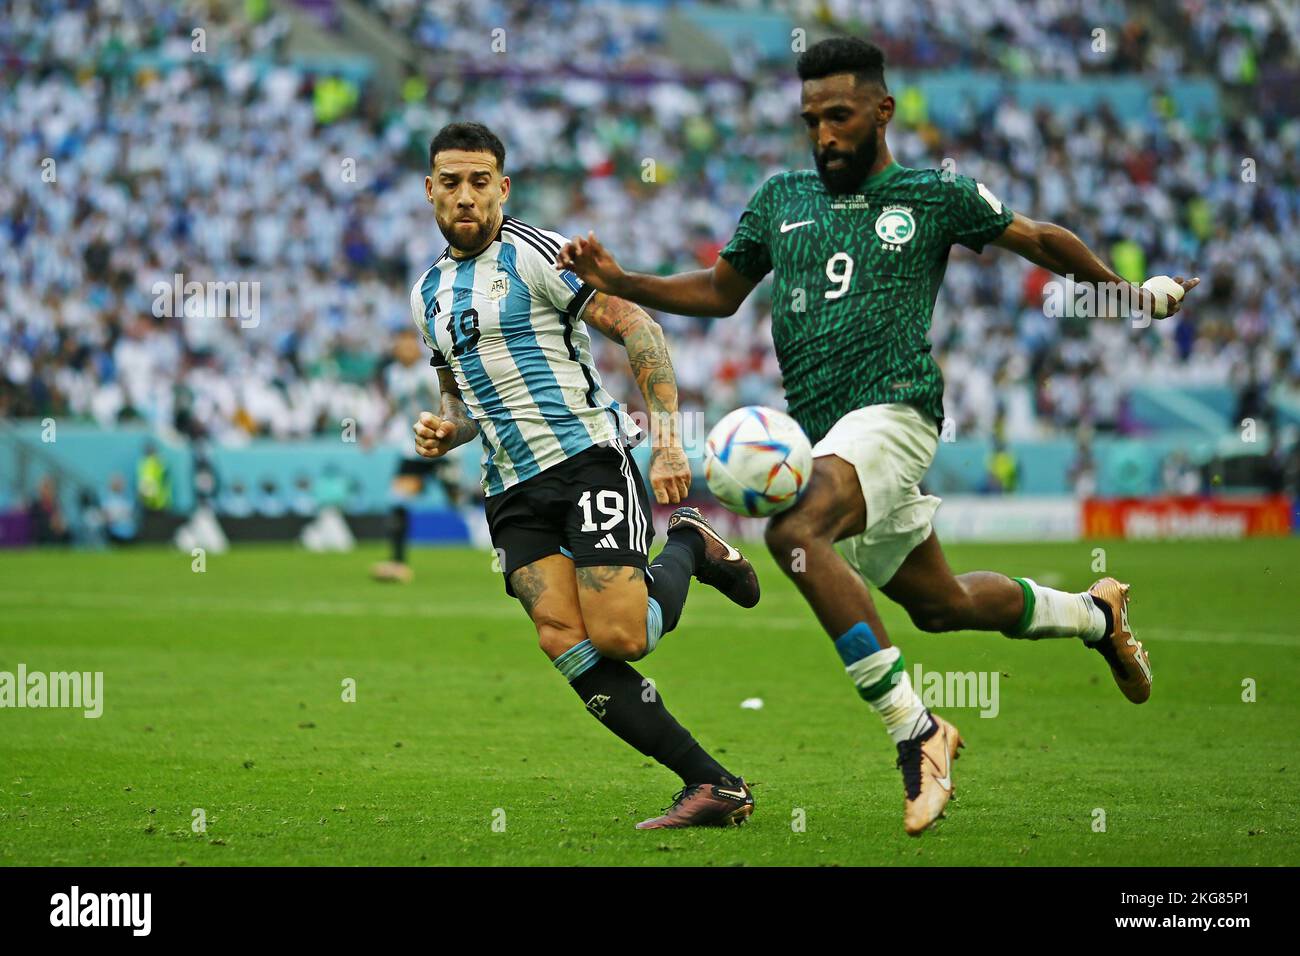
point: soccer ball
(757, 461)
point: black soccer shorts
(418, 467)
(422, 468)
(593, 508)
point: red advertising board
(1191, 517)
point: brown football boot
(391, 571)
(705, 805)
(1129, 662)
(926, 763)
(723, 566)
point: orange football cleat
(926, 763)
(1129, 662)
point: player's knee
(936, 617)
(619, 641)
(789, 534)
(555, 637)
(782, 539)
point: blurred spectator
(153, 484)
(356, 496)
(331, 488)
(1179, 476)
(235, 502)
(90, 527)
(1253, 405)
(303, 502)
(1082, 475)
(268, 503)
(1289, 445)
(207, 485)
(49, 526)
(119, 512)
(1002, 471)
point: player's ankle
(1110, 620)
(692, 538)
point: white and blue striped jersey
(508, 326)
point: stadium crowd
(1043, 38)
(133, 159)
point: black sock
(1105, 610)
(631, 707)
(670, 575)
(399, 522)
(692, 539)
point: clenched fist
(433, 435)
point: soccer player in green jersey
(857, 249)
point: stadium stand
(136, 157)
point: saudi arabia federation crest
(895, 227)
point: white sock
(904, 715)
(883, 683)
(1060, 614)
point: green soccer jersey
(855, 278)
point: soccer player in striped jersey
(858, 249)
(567, 509)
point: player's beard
(479, 240)
(857, 164)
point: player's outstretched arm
(647, 353)
(435, 435)
(711, 292)
(1058, 250)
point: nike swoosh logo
(732, 553)
(946, 780)
(787, 226)
(730, 793)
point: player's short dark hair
(474, 137)
(864, 60)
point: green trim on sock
(1027, 615)
(883, 686)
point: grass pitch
(223, 693)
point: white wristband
(1162, 289)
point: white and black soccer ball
(757, 461)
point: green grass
(223, 692)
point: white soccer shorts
(891, 448)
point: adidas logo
(607, 541)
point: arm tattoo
(598, 578)
(647, 353)
(529, 584)
(453, 407)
